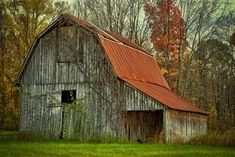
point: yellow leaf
(164, 71)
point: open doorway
(67, 97)
(142, 125)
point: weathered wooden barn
(79, 81)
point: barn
(82, 82)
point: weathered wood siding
(181, 125)
(49, 72)
(142, 119)
(137, 101)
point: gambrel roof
(131, 64)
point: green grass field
(9, 146)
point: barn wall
(47, 75)
(137, 101)
(142, 114)
(179, 125)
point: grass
(10, 146)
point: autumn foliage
(167, 35)
(20, 22)
(167, 25)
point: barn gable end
(114, 96)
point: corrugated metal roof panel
(132, 63)
(141, 71)
(164, 96)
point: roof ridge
(121, 43)
(105, 33)
(86, 22)
(127, 41)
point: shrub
(32, 136)
(226, 138)
(25, 136)
(6, 135)
(157, 138)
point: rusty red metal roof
(133, 64)
(164, 96)
(141, 71)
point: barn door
(67, 98)
(142, 125)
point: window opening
(68, 96)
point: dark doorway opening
(67, 97)
(142, 125)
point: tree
(204, 20)
(27, 19)
(62, 7)
(2, 49)
(21, 21)
(167, 35)
(205, 62)
(214, 73)
(124, 17)
(232, 39)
